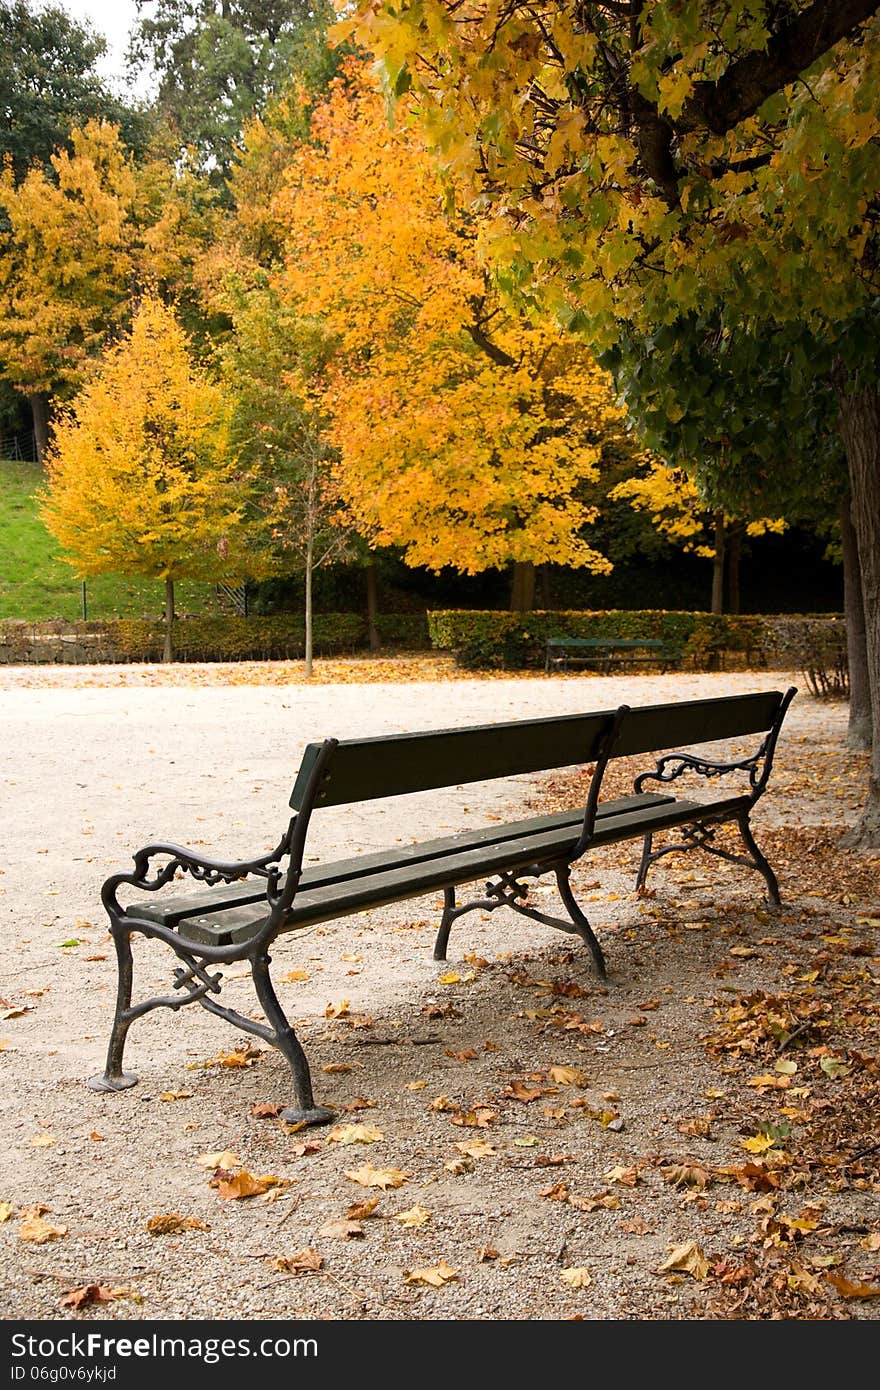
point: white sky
(114, 19)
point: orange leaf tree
(465, 431)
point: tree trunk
(734, 560)
(373, 607)
(309, 568)
(39, 404)
(718, 565)
(860, 429)
(168, 650)
(858, 733)
(542, 587)
(522, 588)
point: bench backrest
(391, 765)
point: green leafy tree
(142, 476)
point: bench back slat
(392, 765)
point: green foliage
(48, 83)
(406, 630)
(484, 639)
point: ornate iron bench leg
(446, 921)
(580, 921)
(645, 864)
(760, 862)
(113, 1078)
(305, 1112)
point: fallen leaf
(487, 1252)
(6, 1210)
(355, 1134)
(224, 1159)
(343, 1229)
(744, 952)
(43, 1141)
(687, 1174)
(450, 978)
(414, 1216)
(90, 1293)
(359, 1211)
(628, 1177)
(435, 1277)
(758, 1143)
(871, 1242)
(305, 1262)
(415, 1085)
(577, 1277)
(368, 1176)
(688, 1258)
(172, 1222)
(649, 1005)
(336, 1069)
(527, 1141)
(480, 1118)
(267, 1110)
(568, 1076)
(294, 976)
(608, 1201)
(847, 1289)
(517, 1091)
(16, 1012)
(36, 1229)
(476, 1148)
(337, 1010)
(466, 1055)
(244, 1184)
(175, 1095)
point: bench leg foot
(760, 863)
(581, 922)
(645, 864)
(113, 1078)
(305, 1111)
(449, 916)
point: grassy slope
(36, 583)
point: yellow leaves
(6, 1210)
(172, 1223)
(687, 1258)
(304, 1262)
(480, 1118)
(355, 1134)
(568, 1076)
(414, 1216)
(35, 1229)
(223, 1158)
(576, 1277)
(848, 1288)
(434, 1277)
(337, 1010)
(476, 1148)
(236, 1186)
(368, 1176)
(758, 1143)
(674, 89)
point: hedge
(483, 639)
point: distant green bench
(604, 653)
(240, 908)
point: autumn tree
(141, 476)
(465, 431)
(644, 161)
(76, 245)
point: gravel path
(89, 774)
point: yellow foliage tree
(142, 480)
(465, 431)
(74, 246)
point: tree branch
(752, 79)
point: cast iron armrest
(674, 765)
(197, 866)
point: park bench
(606, 653)
(242, 908)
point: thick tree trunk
(373, 635)
(168, 650)
(309, 569)
(858, 734)
(718, 566)
(860, 429)
(39, 404)
(522, 588)
(734, 564)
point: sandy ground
(90, 774)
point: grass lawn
(35, 583)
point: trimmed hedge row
(484, 639)
(277, 637)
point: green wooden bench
(241, 908)
(606, 653)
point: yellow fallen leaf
(304, 1262)
(224, 1158)
(415, 1216)
(786, 1066)
(871, 1242)
(476, 1148)
(344, 1228)
(43, 1141)
(294, 976)
(416, 1085)
(171, 1223)
(359, 1211)
(368, 1176)
(577, 1277)
(336, 1069)
(355, 1134)
(175, 1095)
(245, 1184)
(758, 1144)
(688, 1258)
(848, 1289)
(435, 1277)
(450, 978)
(337, 1010)
(6, 1210)
(744, 952)
(36, 1229)
(568, 1076)
(480, 1118)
